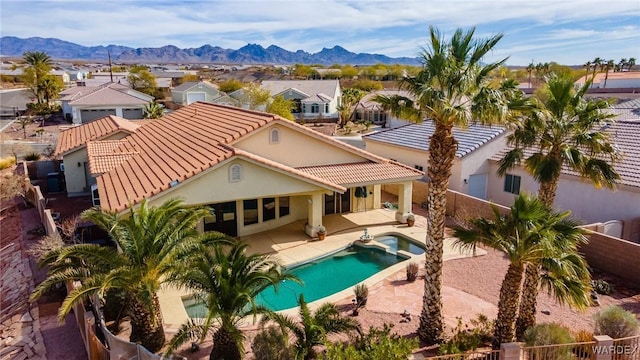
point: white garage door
(94, 114)
(193, 97)
(478, 186)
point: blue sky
(568, 32)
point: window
(418, 167)
(250, 211)
(235, 173)
(211, 219)
(268, 209)
(326, 108)
(315, 108)
(274, 136)
(284, 206)
(512, 184)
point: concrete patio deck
(292, 246)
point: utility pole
(110, 68)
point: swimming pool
(321, 277)
(397, 242)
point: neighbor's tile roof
(103, 156)
(318, 90)
(626, 136)
(628, 110)
(198, 137)
(416, 136)
(78, 136)
(363, 172)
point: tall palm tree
(39, 66)
(452, 89)
(227, 280)
(151, 243)
(621, 64)
(597, 63)
(567, 131)
(607, 66)
(631, 63)
(312, 329)
(530, 69)
(530, 233)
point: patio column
(405, 190)
(314, 211)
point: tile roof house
(409, 144)
(256, 171)
(586, 202)
(72, 147)
(369, 110)
(87, 103)
(314, 98)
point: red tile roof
(103, 156)
(363, 173)
(78, 136)
(197, 137)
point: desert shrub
(367, 85)
(549, 334)
(269, 344)
(34, 156)
(583, 336)
(11, 185)
(373, 345)
(7, 162)
(615, 322)
(602, 287)
(412, 271)
(45, 245)
(467, 337)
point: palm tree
(153, 110)
(227, 280)
(452, 89)
(597, 63)
(567, 131)
(49, 87)
(530, 69)
(608, 66)
(530, 233)
(312, 329)
(631, 63)
(39, 66)
(151, 243)
(621, 64)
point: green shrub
(269, 344)
(34, 156)
(602, 287)
(373, 345)
(615, 322)
(468, 337)
(549, 334)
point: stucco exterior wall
(74, 173)
(474, 163)
(408, 156)
(579, 196)
(294, 148)
(214, 186)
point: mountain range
(11, 46)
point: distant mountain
(248, 54)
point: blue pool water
(399, 242)
(321, 277)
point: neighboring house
(104, 77)
(313, 98)
(168, 78)
(84, 104)
(409, 144)
(255, 171)
(615, 80)
(585, 201)
(369, 110)
(72, 147)
(191, 92)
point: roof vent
(174, 183)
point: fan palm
(566, 131)
(151, 242)
(227, 281)
(39, 64)
(451, 89)
(530, 233)
(312, 329)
